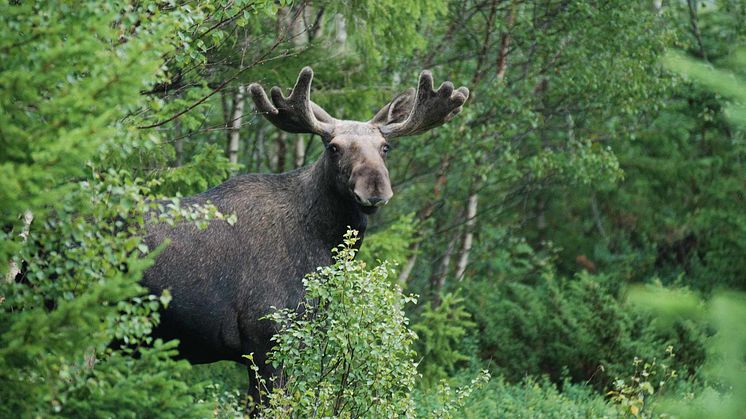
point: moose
(225, 278)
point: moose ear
(397, 110)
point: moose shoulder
(225, 278)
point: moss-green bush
(530, 398)
(574, 328)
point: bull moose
(225, 279)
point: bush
(441, 330)
(348, 351)
(75, 297)
(224, 387)
(392, 244)
(530, 398)
(567, 327)
(72, 76)
(722, 392)
(636, 395)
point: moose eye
(333, 148)
(385, 149)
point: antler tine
(430, 108)
(295, 113)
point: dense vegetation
(578, 231)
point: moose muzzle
(371, 186)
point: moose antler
(425, 110)
(295, 113)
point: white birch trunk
(471, 220)
(234, 136)
(300, 151)
(408, 265)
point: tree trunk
(424, 214)
(260, 153)
(297, 27)
(438, 279)
(340, 29)
(300, 151)
(471, 220)
(280, 151)
(409, 265)
(301, 36)
(694, 23)
(234, 134)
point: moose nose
(377, 202)
(374, 201)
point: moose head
(355, 152)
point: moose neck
(327, 210)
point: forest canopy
(577, 233)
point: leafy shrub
(530, 398)
(441, 331)
(574, 327)
(77, 294)
(223, 387)
(348, 351)
(391, 244)
(449, 403)
(72, 76)
(722, 393)
(636, 397)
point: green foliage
(637, 397)
(224, 387)
(538, 399)
(79, 294)
(451, 403)
(677, 215)
(72, 79)
(349, 351)
(208, 168)
(531, 398)
(391, 244)
(584, 332)
(63, 91)
(723, 395)
(441, 330)
(122, 386)
(720, 81)
(390, 24)
(725, 363)
(598, 159)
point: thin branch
(261, 60)
(219, 88)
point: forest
(572, 244)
